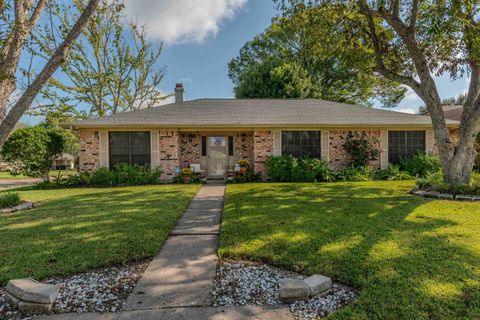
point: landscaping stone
(29, 290)
(34, 308)
(293, 290)
(445, 196)
(240, 283)
(420, 193)
(476, 198)
(431, 194)
(461, 197)
(11, 300)
(318, 284)
(26, 205)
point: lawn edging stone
(301, 289)
(25, 205)
(444, 196)
(30, 296)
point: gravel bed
(241, 283)
(103, 290)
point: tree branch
(55, 61)
(381, 68)
(414, 15)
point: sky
(200, 37)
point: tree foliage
(361, 148)
(413, 41)
(304, 54)
(112, 68)
(30, 151)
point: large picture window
(131, 148)
(404, 144)
(301, 143)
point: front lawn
(410, 258)
(74, 230)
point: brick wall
(89, 150)
(262, 149)
(169, 153)
(190, 152)
(339, 158)
(244, 149)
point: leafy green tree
(30, 151)
(303, 54)
(412, 42)
(455, 100)
(112, 68)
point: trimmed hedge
(121, 175)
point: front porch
(215, 153)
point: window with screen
(132, 148)
(404, 144)
(301, 143)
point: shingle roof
(258, 112)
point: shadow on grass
(411, 258)
(74, 230)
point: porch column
(169, 153)
(262, 148)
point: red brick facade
(169, 153)
(262, 149)
(176, 149)
(339, 158)
(89, 150)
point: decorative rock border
(25, 205)
(30, 296)
(444, 196)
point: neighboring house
(217, 133)
(64, 161)
(451, 112)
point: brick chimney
(179, 93)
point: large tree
(413, 42)
(303, 54)
(112, 68)
(18, 18)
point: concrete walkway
(182, 274)
(178, 282)
(15, 183)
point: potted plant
(187, 175)
(244, 166)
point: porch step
(216, 182)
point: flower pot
(187, 179)
(243, 170)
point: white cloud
(405, 110)
(181, 21)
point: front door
(217, 156)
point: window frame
(313, 149)
(130, 152)
(398, 150)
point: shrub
(30, 151)
(361, 148)
(393, 172)
(421, 165)
(354, 174)
(121, 175)
(9, 199)
(291, 169)
(434, 182)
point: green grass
(74, 230)
(410, 258)
(53, 174)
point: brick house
(217, 133)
